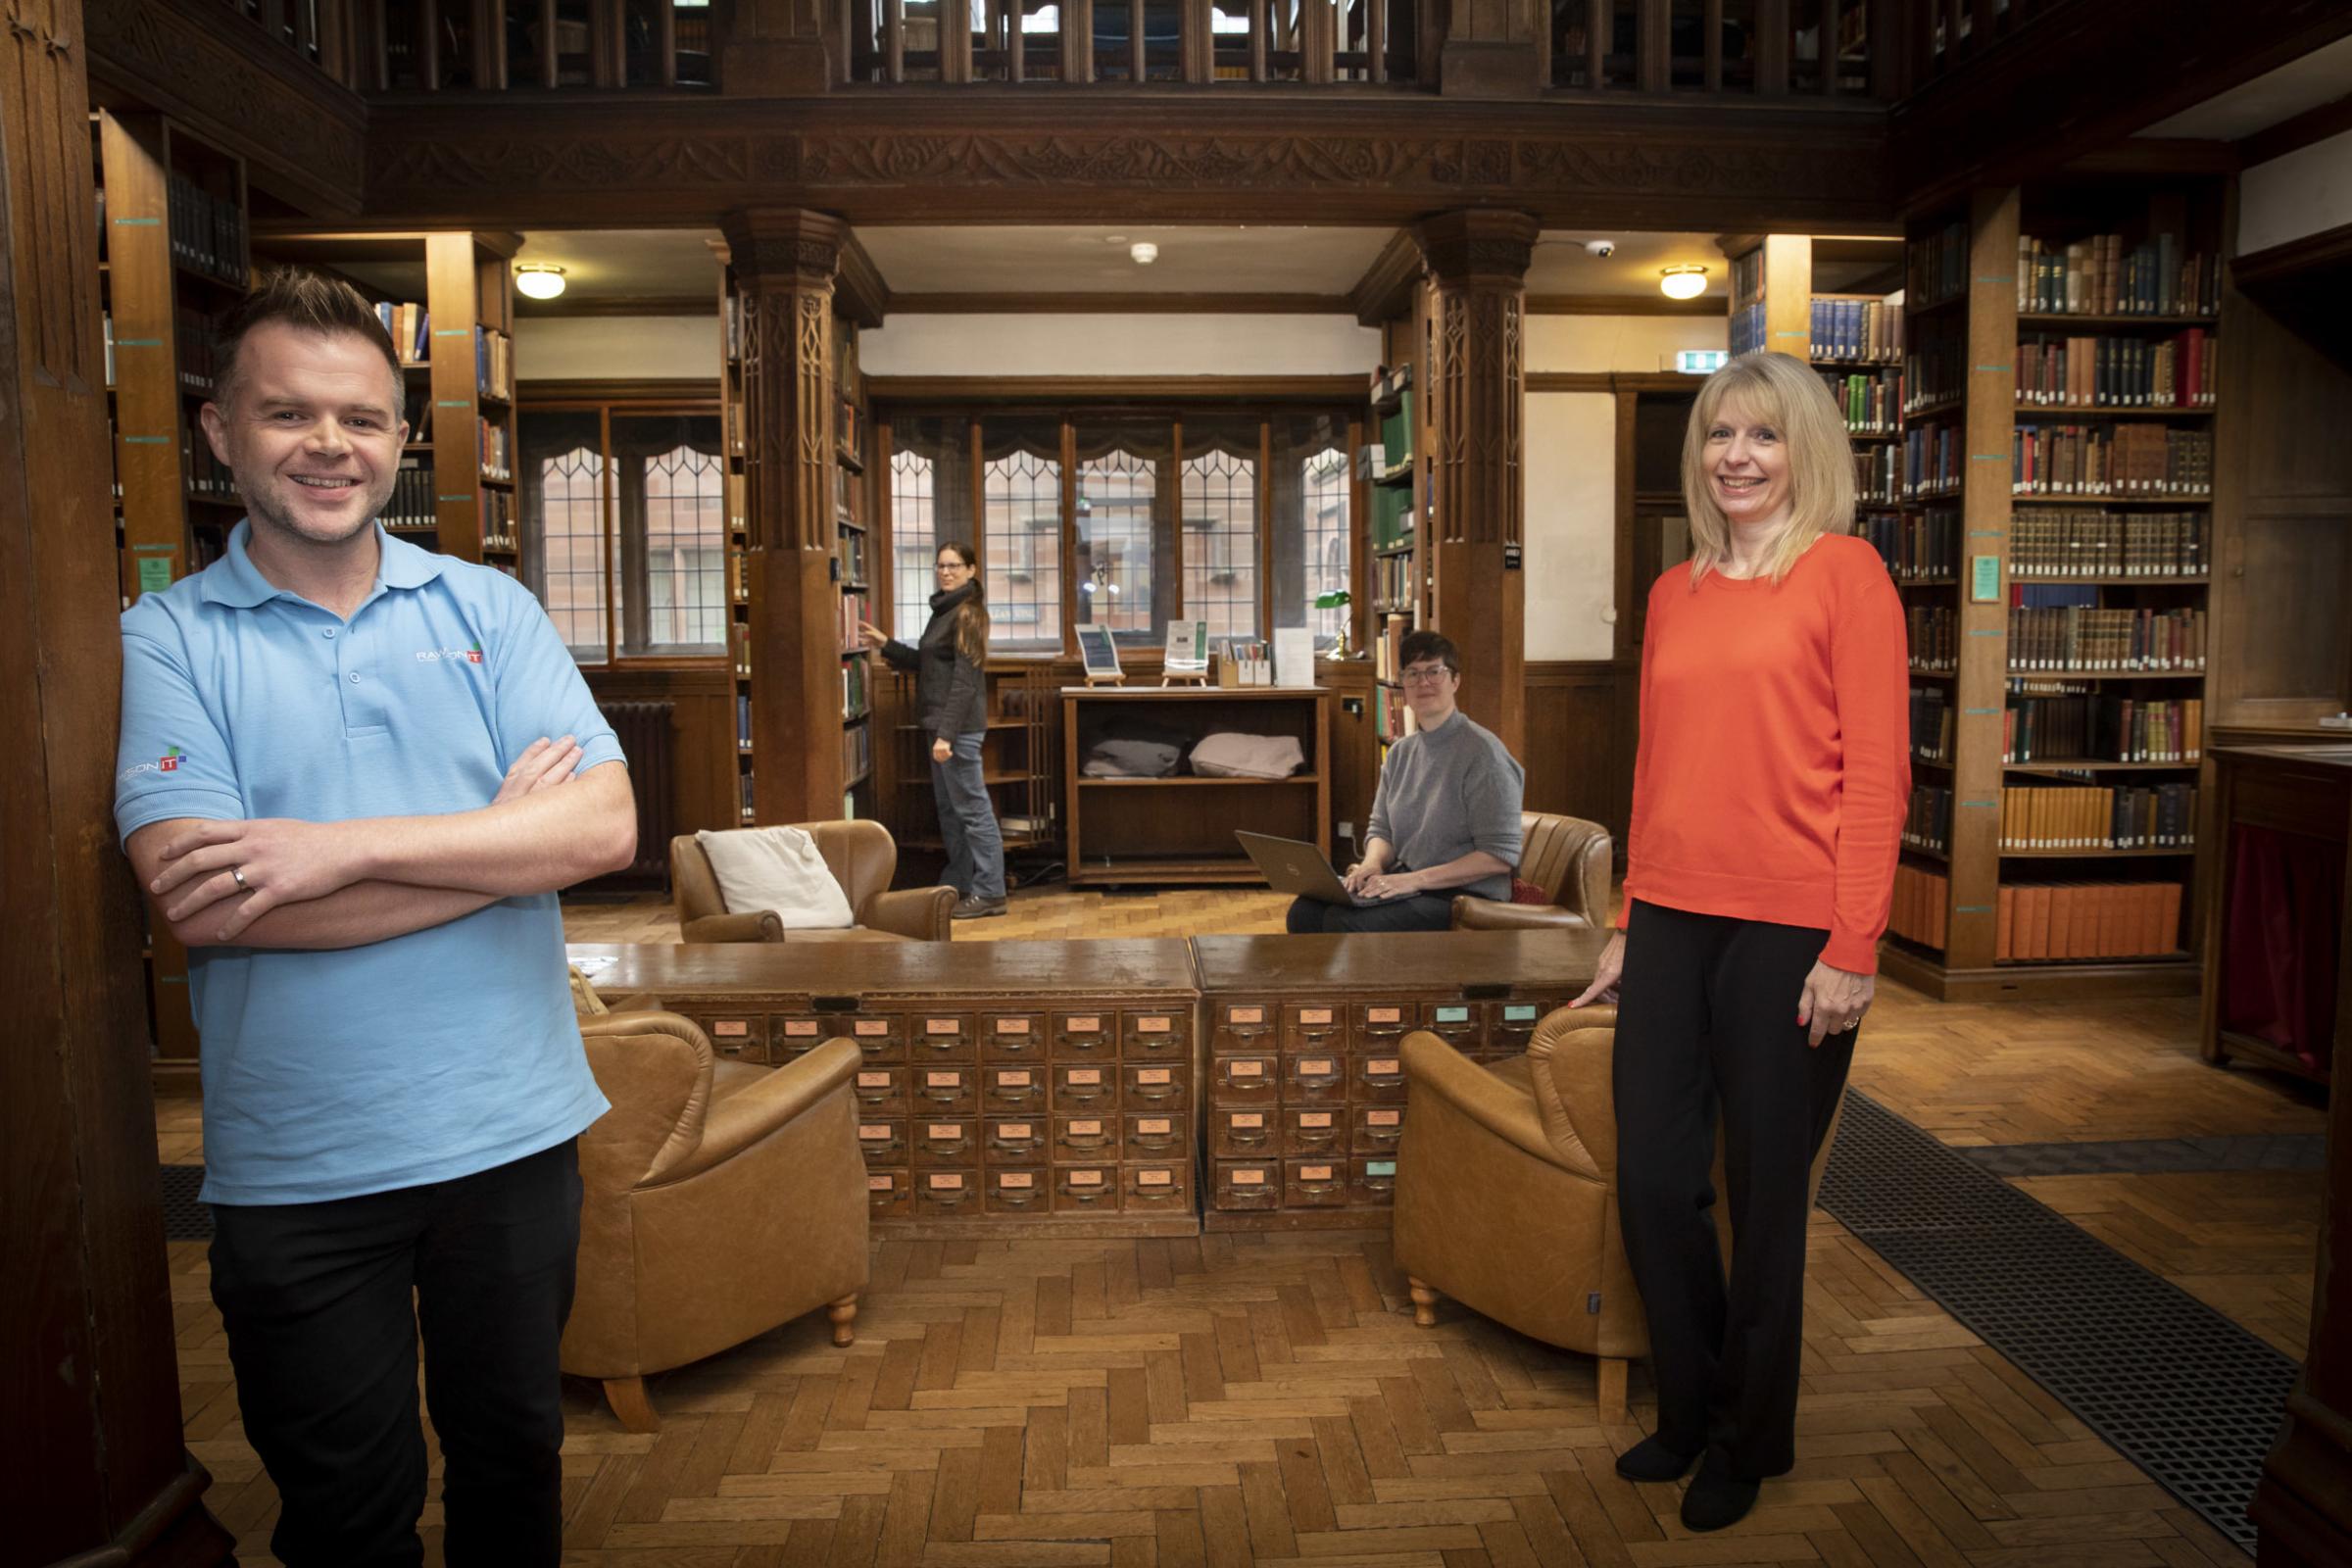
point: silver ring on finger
(237, 874)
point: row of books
(2093, 817)
(2087, 920)
(2046, 542)
(2182, 371)
(2100, 727)
(410, 325)
(412, 503)
(743, 718)
(1870, 401)
(1922, 904)
(2117, 459)
(1933, 631)
(1857, 329)
(207, 232)
(739, 585)
(2089, 641)
(1934, 458)
(197, 341)
(1394, 520)
(1391, 718)
(848, 429)
(498, 519)
(2103, 276)
(848, 549)
(1382, 459)
(1927, 820)
(207, 474)
(730, 314)
(856, 751)
(1388, 381)
(1930, 724)
(855, 703)
(1878, 475)
(1388, 646)
(739, 647)
(1747, 331)
(498, 449)
(1935, 365)
(493, 363)
(1392, 582)
(1936, 265)
(1916, 546)
(856, 606)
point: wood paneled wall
(702, 788)
(1580, 731)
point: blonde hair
(1787, 394)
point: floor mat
(185, 1218)
(2155, 1156)
(2167, 1381)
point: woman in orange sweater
(1768, 804)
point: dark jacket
(949, 687)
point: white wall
(1121, 345)
(2302, 193)
(612, 348)
(1570, 467)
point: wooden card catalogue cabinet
(1304, 1080)
(1007, 1087)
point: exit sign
(1701, 362)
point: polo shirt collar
(235, 581)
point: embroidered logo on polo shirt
(168, 762)
(471, 654)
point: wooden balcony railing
(1135, 41)
(314, 32)
(520, 45)
(1765, 48)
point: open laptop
(1301, 870)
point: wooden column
(774, 49)
(1789, 294)
(1493, 49)
(786, 262)
(85, 1315)
(1477, 399)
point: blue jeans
(969, 823)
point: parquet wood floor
(1266, 1399)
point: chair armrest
(1431, 1066)
(743, 1118)
(923, 913)
(642, 1002)
(1487, 914)
(760, 925)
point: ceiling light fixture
(1685, 282)
(539, 280)
(1143, 252)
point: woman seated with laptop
(1446, 819)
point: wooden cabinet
(1180, 828)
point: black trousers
(1706, 1019)
(1423, 912)
(322, 1334)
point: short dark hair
(1420, 645)
(309, 302)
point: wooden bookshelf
(739, 542)
(1399, 493)
(2006, 398)
(858, 464)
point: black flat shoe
(1717, 1499)
(1652, 1460)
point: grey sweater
(1445, 792)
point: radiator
(643, 730)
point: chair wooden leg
(627, 1397)
(1612, 1390)
(844, 1314)
(1425, 1303)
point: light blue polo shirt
(418, 1060)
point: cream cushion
(776, 868)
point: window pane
(930, 504)
(1310, 502)
(1220, 525)
(563, 477)
(1124, 550)
(1021, 557)
(671, 502)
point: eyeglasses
(950, 565)
(1425, 675)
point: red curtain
(2283, 904)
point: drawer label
(1086, 1023)
(1315, 1016)
(1086, 1178)
(1154, 1124)
(1015, 1178)
(730, 1028)
(1013, 1078)
(1083, 1075)
(1088, 1128)
(1013, 1026)
(1010, 1130)
(1316, 1067)
(1519, 1012)
(1152, 1075)
(801, 1028)
(873, 1080)
(874, 1130)
(1314, 1118)
(940, 1026)
(1244, 1069)
(880, 1184)
(1244, 1015)
(946, 1182)
(1384, 1016)
(1380, 1168)
(1383, 1118)
(1454, 1015)
(1155, 1178)
(943, 1130)
(868, 1028)
(1154, 1026)
(944, 1080)
(1247, 1118)
(1247, 1177)
(1382, 1067)
(1314, 1173)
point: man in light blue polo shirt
(337, 783)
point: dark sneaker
(977, 908)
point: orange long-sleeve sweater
(1774, 766)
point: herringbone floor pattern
(1267, 1399)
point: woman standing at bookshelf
(951, 688)
(1768, 804)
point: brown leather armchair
(1506, 1192)
(1568, 858)
(862, 858)
(719, 1200)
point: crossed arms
(345, 884)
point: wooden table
(1305, 1094)
(1008, 1087)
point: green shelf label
(155, 573)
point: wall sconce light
(539, 280)
(1685, 282)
